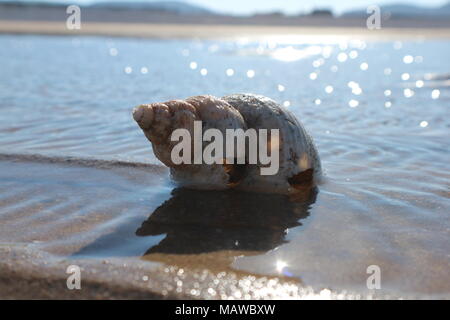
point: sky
(286, 6)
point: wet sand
(202, 31)
(55, 212)
(133, 236)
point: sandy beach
(202, 31)
(35, 266)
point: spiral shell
(299, 163)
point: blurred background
(395, 13)
(318, 58)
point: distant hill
(406, 11)
(166, 6)
(172, 6)
(179, 12)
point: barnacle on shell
(299, 163)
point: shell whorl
(299, 163)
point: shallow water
(382, 133)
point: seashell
(299, 165)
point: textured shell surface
(298, 152)
(299, 162)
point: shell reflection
(218, 226)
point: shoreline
(213, 31)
